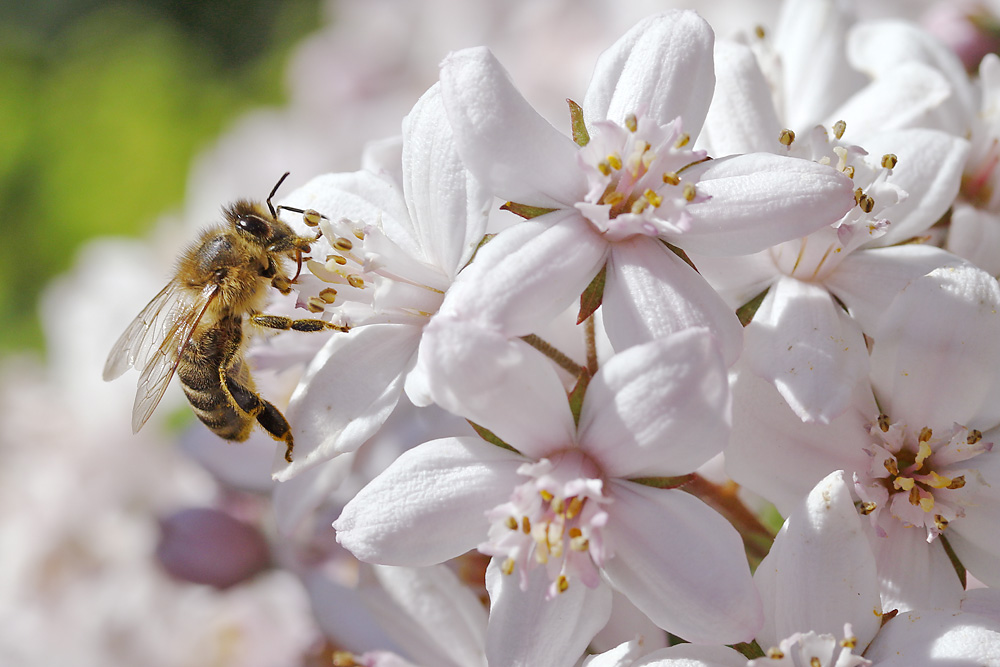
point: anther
(525, 525)
(689, 191)
(889, 160)
(562, 583)
(337, 259)
(940, 522)
(575, 505)
(315, 304)
(682, 141)
(638, 206)
(511, 523)
(839, 128)
(604, 167)
(957, 482)
(328, 294)
(354, 280)
(883, 422)
(614, 198)
(671, 178)
(786, 137)
(343, 244)
(311, 217)
(975, 435)
(867, 508)
(654, 199)
(508, 566)
(360, 234)
(866, 203)
(775, 653)
(849, 171)
(925, 434)
(815, 662)
(615, 161)
(849, 642)
(631, 122)
(858, 195)
(546, 496)
(758, 30)
(890, 465)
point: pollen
(849, 642)
(815, 662)
(883, 422)
(936, 481)
(867, 508)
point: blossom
(635, 183)
(399, 238)
(917, 438)
(561, 515)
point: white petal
(811, 349)
(501, 384)
(448, 205)
(650, 292)
(777, 455)
(680, 563)
(821, 554)
(526, 630)
(623, 655)
(902, 98)
(912, 573)
(759, 200)
(742, 118)
(690, 655)
(935, 361)
(348, 391)
(659, 409)
(661, 68)
(737, 279)
(430, 504)
(868, 280)
(975, 235)
(943, 638)
(431, 613)
(528, 273)
(504, 142)
(976, 537)
(929, 168)
(810, 41)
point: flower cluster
(767, 262)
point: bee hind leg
(266, 414)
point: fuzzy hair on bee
(196, 326)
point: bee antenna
(274, 214)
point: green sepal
(576, 396)
(680, 253)
(749, 309)
(750, 651)
(580, 134)
(663, 482)
(489, 436)
(953, 557)
(590, 299)
(525, 211)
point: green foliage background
(103, 105)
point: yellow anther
(937, 481)
(559, 506)
(926, 502)
(883, 422)
(508, 566)
(354, 280)
(615, 161)
(360, 234)
(575, 505)
(654, 199)
(315, 304)
(849, 642)
(975, 435)
(957, 482)
(328, 294)
(546, 496)
(579, 544)
(525, 525)
(614, 198)
(311, 217)
(511, 523)
(839, 128)
(925, 434)
(889, 160)
(671, 178)
(689, 192)
(631, 122)
(849, 171)
(867, 508)
(774, 653)
(923, 451)
(890, 465)
(866, 204)
(758, 30)
(562, 583)
(336, 259)
(904, 483)
(841, 153)
(815, 662)
(638, 206)
(604, 167)
(682, 140)
(786, 137)
(858, 195)
(343, 244)
(940, 522)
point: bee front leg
(285, 323)
(268, 416)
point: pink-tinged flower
(801, 338)
(916, 439)
(635, 183)
(391, 246)
(561, 515)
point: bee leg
(268, 416)
(286, 323)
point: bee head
(251, 222)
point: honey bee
(195, 325)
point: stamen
(575, 505)
(890, 465)
(682, 141)
(338, 259)
(839, 128)
(758, 30)
(328, 294)
(525, 525)
(654, 199)
(511, 523)
(343, 244)
(604, 167)
(815, 662)
(314, 304)
(615, 161)
(562, 583)
(689, 192)
(849, 642)
(975, 435)
(311, 217)
(849, 171)
(354, 280)
(631, 122)
(671, 178)
(507, 567)
(889, 160)
(925, 434)
(957, 483)
(940, 522)
(883, 422)
(614, 198)
(774, 653)
(867, 508)
(786, 137)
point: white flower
(560, 514)
(636, 183)
(384, 268)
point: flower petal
(742, 118)
(811, 349)
(504, 142)
(821, 553)
(348, 391)
(759, 200)
(448, 205)
(941, 332)
(430, 504)
(659, 409)
(501, 384)
(914, 574)
(975, 235)
(680, 563)
(662, 68)
(936, 638)
(690, 655)
(526, 629)
(650, 292)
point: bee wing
(155, 341)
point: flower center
(367, 278)
(636, 178)
(814, 257)
(922, 480)
(555, 519)
(812, 650)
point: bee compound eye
(252, 224)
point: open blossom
(392, 244)
(630, 181)
(560, 515)
(917, 439)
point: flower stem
(590, 334)
(723, 498)
(552, 353)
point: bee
(195, 326)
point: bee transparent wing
(160, 362)
(147, 331)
